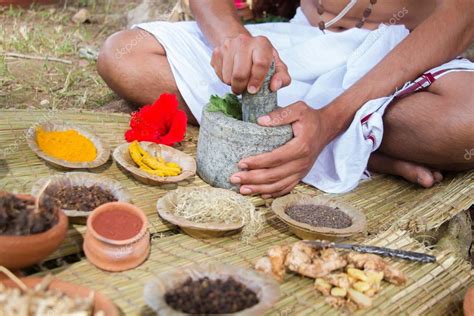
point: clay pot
(101, 302)
(116, 255)
(18, 252)
(469, 302)
(25, 3)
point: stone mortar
(224, 141)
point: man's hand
(278, 172)
(243, 61)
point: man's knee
(124, 48)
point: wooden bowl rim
(163, 209)
(122, 150)
(359, 222)
(60, 285)
(266, 288)
(102, 148)
(79, 178)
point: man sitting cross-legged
(365, 84)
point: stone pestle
(261, 103)
(224, 141)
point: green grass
(49, 31)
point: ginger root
(347, 280)
(370, 262)
(306, 260)
(274, 262)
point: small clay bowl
(70, 179)
(265, 287)
(116, 255)
(468, 304)
(306, 231)
(19, 252)
(101, 302)
(186, 162)
(103, 150)
(166, 205)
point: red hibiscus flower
(162, 122)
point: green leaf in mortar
(229, 105)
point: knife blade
(381, 251)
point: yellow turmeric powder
(66, 145)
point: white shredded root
(40, 300)
(211, 206)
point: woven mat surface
(434, 289)
(394, 208)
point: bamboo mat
(434, 289)
(394, 209)
(386, 201)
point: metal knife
(381, 251)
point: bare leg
(429, 131)
(134, 65)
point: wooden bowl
(80, 179)
(166, 205)
(186, 162)
(101, 302)
(306, 231)
(266, 288)
(468, 304)
(18, 252)
(103, 150)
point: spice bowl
(71, 179)
(101, 303)
(187, 163)
(19, 252)
(103, 149)
(166, 206)
(117, 237)
(305, 231)
(266, 288)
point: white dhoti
(321, 66)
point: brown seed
(83, 198)
(206, 296)
(319, 216)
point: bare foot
(410, 171)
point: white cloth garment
(322, 66)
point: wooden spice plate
(101, 302)
(306, 231)
(103, 150)
(70, 179)
(166, 206)
(265, 287)
(170, 154)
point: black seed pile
(18, 216)
(83, 198)
(319, 216)
(206, 296)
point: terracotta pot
(469, 302)
(22, 251)
(101, 302)
(116, 255)
(26, 3)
